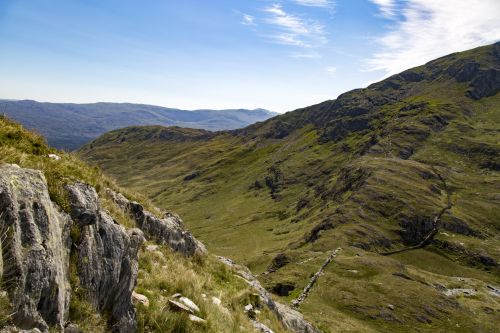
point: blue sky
(279, 55)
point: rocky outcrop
(464, 71)
(485, 84)
(167, 230)
(107, 258)
(472, 257)
(35, 250)
(290, 318)
(283, 288)
(279, 261)
(414, 228)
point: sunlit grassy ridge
(367, 172)
(161, 272)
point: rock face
(290, 318)
(484, 85)
(108, 262)
(167, 230)
(415, 228)
(35, 250)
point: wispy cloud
(248, 19)
(305, 55)
(427, 29)
(290, 29)
(331, 70)
(315, 3)
(387, 7)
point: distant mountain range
(69, 126)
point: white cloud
(287, 21)
(315, 3)
(387, 7)
(305, 55)
(428, 29)
(248, 20)
(331, 70)
(294, 30)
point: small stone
(54, 157)
(190, 304)
(249, 310)
(179, 306)
(196, 319)
(353, 271)
(139, 298)
(72, 328)
(391, 307)
(152, 248)
(216, 300)
(204, 296)
(177, 295)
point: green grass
(164, 273)
(360, 185)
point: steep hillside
(403, 176)
(70, 126)
(78, 256)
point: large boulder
(35, 250)
(167, 230)
(108, 262)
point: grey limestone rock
(290, 318)
(108, 262)
(35, 250)
(167, 230)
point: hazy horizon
(276, 55)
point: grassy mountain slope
(411, 162)
(69, 126)
(162, 272)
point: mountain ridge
(70, 125)
(402, 175)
